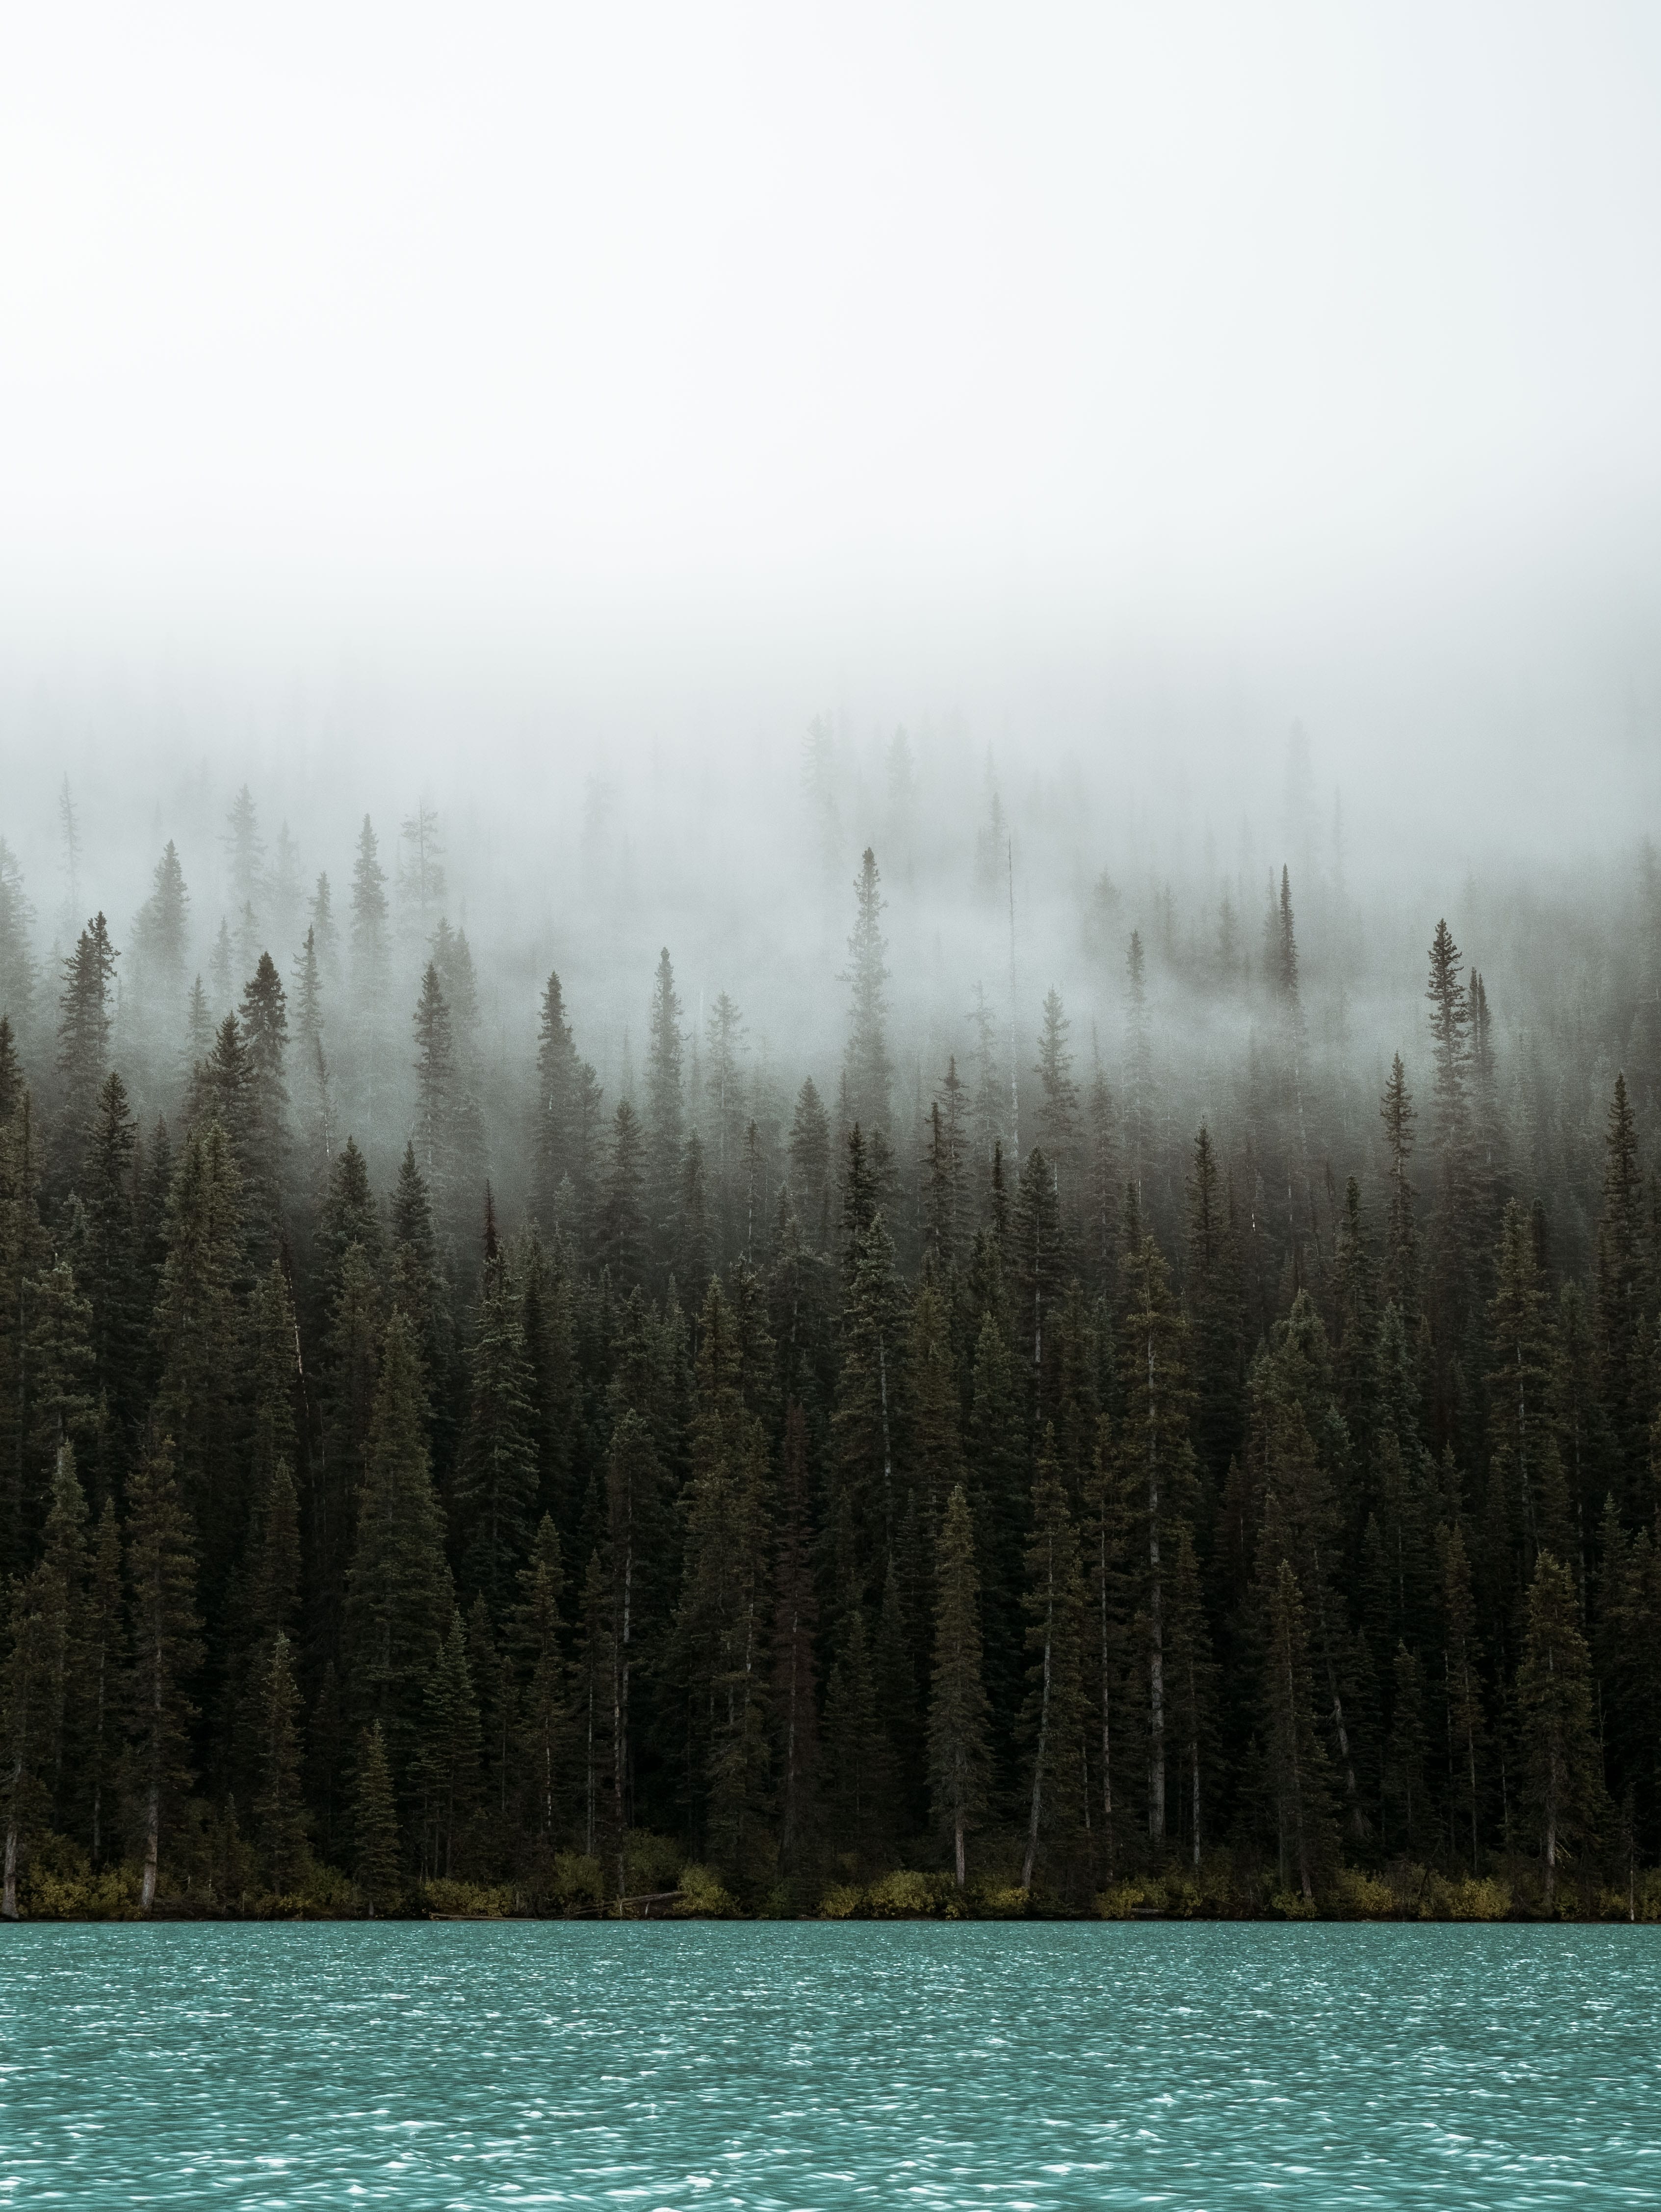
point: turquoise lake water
(793, 2066)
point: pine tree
(161, 933)
(1297, 1764)
(399, 1593)
(1520, 1344)
(1562, 1770)
(1058, 1110)
(369, 971)
(958, 1711)
(1053, 1715)
(1461, 1678)
(1622, 1301)
(869, 1069)
(85, 1021)
(1400, 1282)
(1035, 1253)
(855, 1748)
(1409, 1744)
(568, 1119)
(1213, 1295)
(544, 1718)
(166, 1651)
(109, 1267)
(447, 1769)
(864, 1518)
(197, 1340)
(1155, 1454)
(810, 1164)
(1139, 1062)
(620, 1229)
(16, 953)
(279, 1812)
(103, 1657)
(665, 1112)
(497, 1471)
(1192, 1676)
(795, 1618)
(374, 1823)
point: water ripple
(798, 2066)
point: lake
(802, 2064)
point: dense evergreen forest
(428, 1483)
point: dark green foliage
(812, 1491)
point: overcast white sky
(1215, 324)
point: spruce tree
(810, 1164)
(165, 1650)
(279, 1811)
(1297, 1763)
(1563, 1783)
(399, 1594)
(1156, 1455)
(1052, 1718)
(868, 1070)
(496, 1470)
(1192, 1676)
(1399, 1284)
(857, 1755)
(103, 1656)
(620, 1229)
(795, 1618)
(1622, 1300)
(85, 1020)
(375, 1824)
(197, 1341)
(958, 1713)
(447, 1766)
(666, 1108)
(545, 1711)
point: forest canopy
(1053, 1449)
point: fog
(1229, 438)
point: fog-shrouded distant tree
(868, 1068)
(85, 1019)
(665, 1124)
(620, 1225)
(1138, 1061)
(161, 938)
(369, 977)
(245, 848)
(420, 868)
(567, 1121)
(16, 949)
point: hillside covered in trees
(1181, 1464)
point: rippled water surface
(798, 2065)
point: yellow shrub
(1474, 1899)
(910, 1895)
(702, 1897)
(472, 1899)
(842, 1901)
(1363, 1896)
